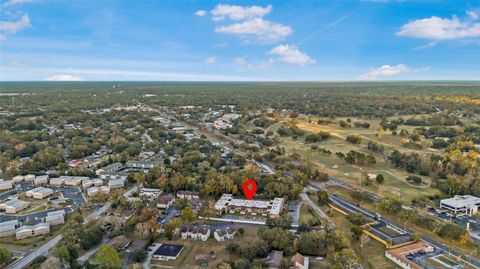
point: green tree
(322, 197)
(107, 258)
(380, 179)
(357, 232)
(5, 256)
(187, 215)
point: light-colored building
(149, 193)
(55, 217)
(97, 182)
(165, 201)
(87, 183)
(397, 255)
(116, 183)
(18, 179)
(6, 185)
(109, 168)
(299, 261)
(195, 232)
(140, 164)
(467, 204)
(93, 191)
(31, 231)
(224, 234)
(14, 206)
(73, 181)
(41, 180)
(29, 178)
(104, 189)
(189, 195)
(227, 203)
(57, 181)
(39, 193)
(7, 228)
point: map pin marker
(249, 188)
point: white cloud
(438, 29)
(240, 61)
(386, 71)
(292, 55)
(15, 2)
(12, 27)
(63, 78)
(472, 14)
(210, 60)
(200, 13)
(233, 12)
(261, 30)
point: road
(311, 204)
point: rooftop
(169, 250)
(462, 200)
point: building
(189, 195)
(6, 185)
(7, 228)
(398, 255)
(31, 231)
(87, 183)
(165, 201)
(41, 180)
(57, 181)
(39, 193)
(110, 168)
(226, 121)
(55, 217)
(120, 242)
(467, 204)
(224, 234)
(97, 182)
(227, 203)
(18, 179)
(73, 181)
(93, 191)
(116, 183)
(299, 261)
(140, 164)
(14, 206)
(149, 193)
(29, 178)
(195, 232)
(274, 259)
(114, 175)
(167, 252)
(104, 190)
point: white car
(319, 258)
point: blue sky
(239, 40)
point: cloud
(210, 60)
(240, 61)
(292, 55)
(200, 13)
(12, 27)
(259, 29)
(63, 78)
(386, 71)
(15, 2)
(472, 14)
(233, 12)
(439, 29)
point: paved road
(311, 204)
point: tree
(187, 215)
(380, 179)
(107, 258)
(322, 197)
(5, 256)
(170, 228)
(139, 255)
(357, 232)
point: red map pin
(249, 188)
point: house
(41, 180)
(97, 182)
(188, 195)
(149, 193)
(140, 164)
(274, 259)
(120, 242)
(39, 193)
(167, 252)
(6, 185)
(87, 183)
(14, 206)
(299, 261)
(93, 191)
(116, 183)
(7, 228)
(195, 232)
(55, 217)
(57, 181)
(29, 178)
(398, 255)
(224, 234)
(31, 231)
(165, 201)
(73, 181)
(109, 168)
(18, 179)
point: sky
(149, 40)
